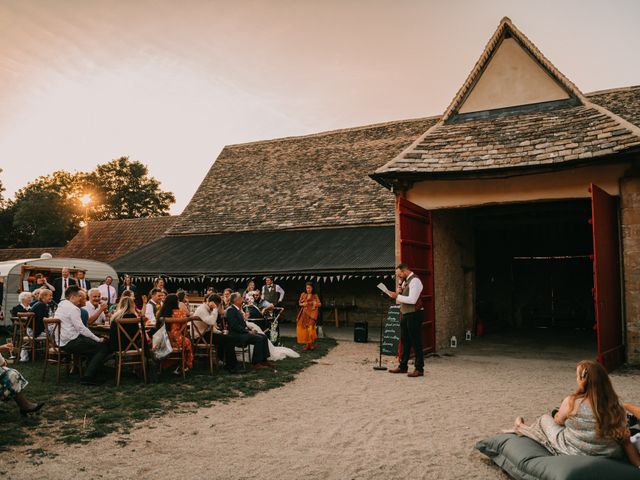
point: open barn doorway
(534, 273)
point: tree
(124, 189)
(1, 190)
(47, 212)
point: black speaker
(361, 332)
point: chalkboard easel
(391, 334)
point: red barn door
(416, 250)
(606, 278)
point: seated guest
(127, 286)
(210, 313)
(42, 309)
(591, 421)
(12, 385)
(183, 302)
(108, 292)
(258, 309)
(159, 283)
(171, 309)
(95, 308)
(82, 282)
(24, 304)
(41, 282)
(247, 296)
(61, 284)
(153, 306)
(78, 339)
(35, 296)
(241, 334)
(271, 292)
(126, 309)
(226, 298)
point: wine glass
(9, 340)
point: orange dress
(177, 340)
(307, 318)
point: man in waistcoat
(271, 292)
(411, 316)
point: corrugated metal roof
(337, 250)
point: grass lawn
(75, 414)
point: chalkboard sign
(391, 334)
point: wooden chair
(131, 347)
(202, 342)
(27, 338)
(178, 352)
(53, 354)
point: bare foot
(520, 422)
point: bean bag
(524, 459)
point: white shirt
(150, 311)
(71, 326)
(279, 291)
(82, 283)
(415, 289)
(91, 310)
(108, 293)
(209, 317)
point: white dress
(275, 353)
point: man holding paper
(412, 313)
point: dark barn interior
(534, 268)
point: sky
(169, 83)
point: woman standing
(171, 309)
(591, 421)
(307, 317)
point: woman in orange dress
(171, 309)
(307, 317)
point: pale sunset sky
(169, 83)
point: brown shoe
(397, 370)
(416, 373)
(259, 366)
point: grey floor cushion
(523, 459)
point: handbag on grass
(161, 344)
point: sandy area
(339, 419)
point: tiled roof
(24, 253)
(527, 139)
(581, 128)
(107, 240)
(300, 182)
(327, 250)
(624, 102)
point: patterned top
(579, 436)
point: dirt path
(339, 419)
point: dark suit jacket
(235, 321)
(122, 288)
(57, 284)
(18, 309)
(41, 310)
(88, 287)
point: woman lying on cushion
(591, 421)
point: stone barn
(520, 206)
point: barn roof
(20, 253)
(109, 239)
(563, 128)
(317, 251)
(310, 181)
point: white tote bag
(161, 344)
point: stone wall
(630, 221)
(454, 274)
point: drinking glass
(10, 341)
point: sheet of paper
(383, 287)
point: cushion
(524, 459)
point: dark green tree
(123, 188)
